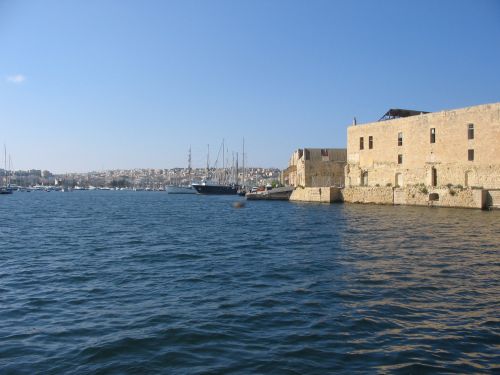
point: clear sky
(100, 84)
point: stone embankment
(416, 195)
(317, 194)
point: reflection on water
(149, 282)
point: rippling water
(124, 282)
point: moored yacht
(208, 187)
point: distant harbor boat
(177, 189)
(6, 188)
(224, 184)
(208, 187)
(182, 189)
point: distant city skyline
(93, 85)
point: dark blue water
(142, 282)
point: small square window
(370, 142)
(470, 155)
(433, 135)
(324, 155)
(400, 139)
(400, 159)
(361, 143)
(470, 131)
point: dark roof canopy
(398, 113)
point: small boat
(6, 190)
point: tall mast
(237, 176)
(208, 159)
(189, 163)
(5, 164)
(10, 169)
(243, 161)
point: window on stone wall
(434, 177)
(470, 155)
(324, 155)
(370, 142)
(400, 138)
(361, 143)
(307, 154)
(364, 179)
(470, 131)
(400, 159)
(433, 135)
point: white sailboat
(6, 188)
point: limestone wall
(448, 197)
(379, 195)
(448, 155)
(417, 196)
(324, 173)
(316, 194)
(316, 167)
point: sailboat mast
(189, 163)
(243, 183)
(5, 164)
(208, 159)
(10, 169)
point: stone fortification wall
(403, 152)
(448, 197)
(379, 195)
(316, 167)
(417, 196)
(321, 173)
(317, 194)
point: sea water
(146, 282)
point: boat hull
(6, 190)
(180, 190)
(216, 189)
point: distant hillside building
(316, 167)
(457, 148)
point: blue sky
(101, 84)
